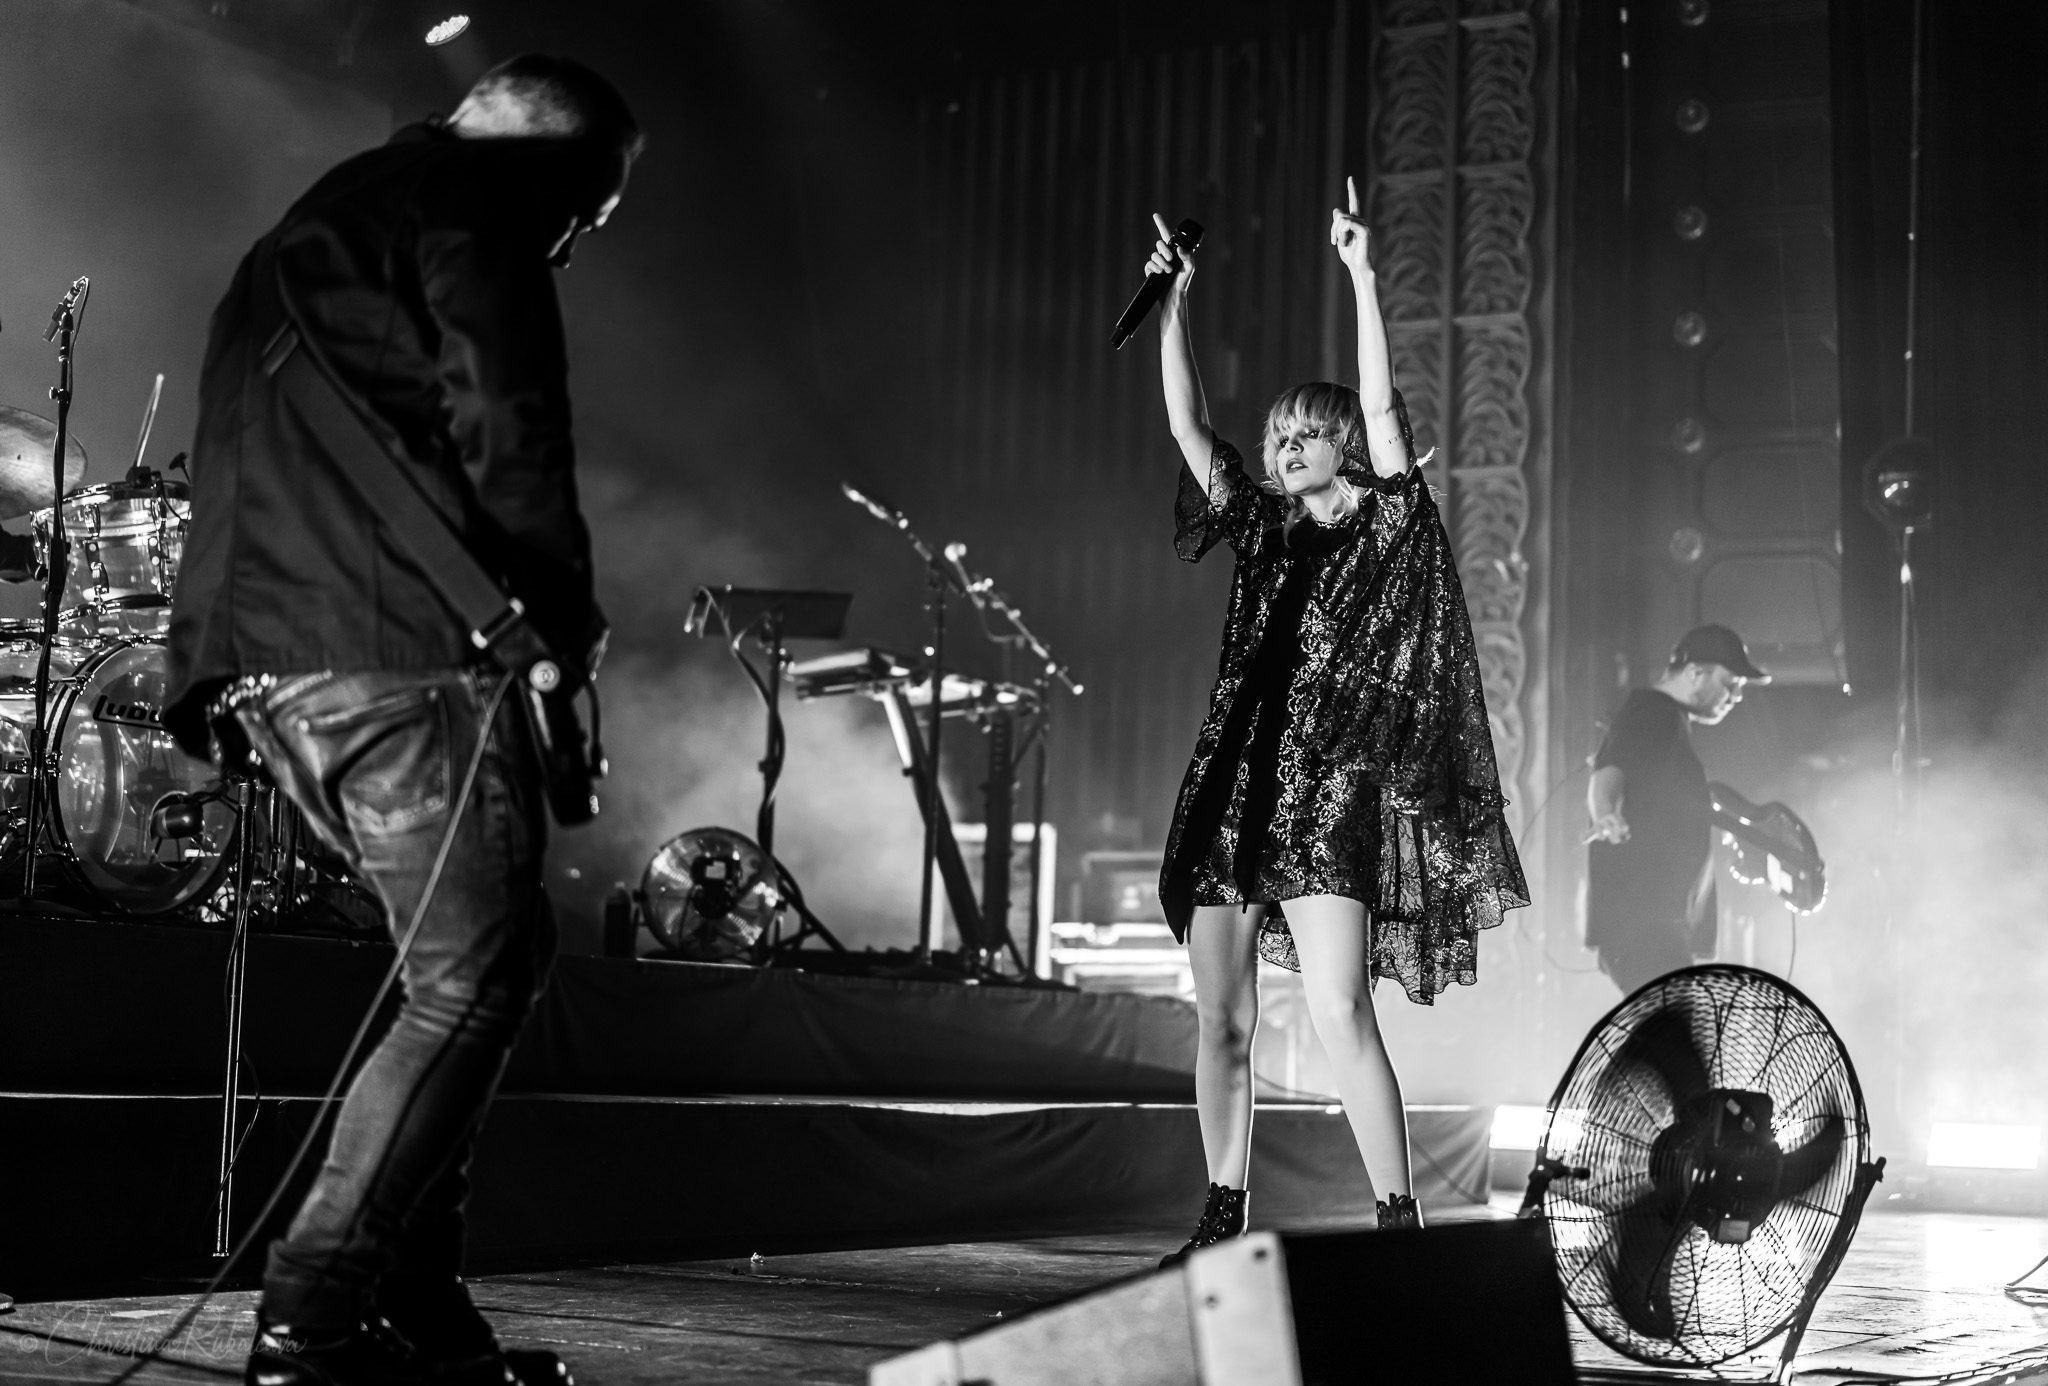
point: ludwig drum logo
(144, 715)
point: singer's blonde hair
(1331, 409)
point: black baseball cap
(1716, 645)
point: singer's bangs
(1321, 405)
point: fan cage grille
(1754, 1033)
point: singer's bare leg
(1331, 935)
(1223, 950)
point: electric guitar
(1773, 847)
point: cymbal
(25, 443)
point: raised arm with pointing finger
(1353, 239)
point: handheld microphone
(1185, 238)
(881, 510)
(73, 298)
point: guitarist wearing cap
(1650, 901)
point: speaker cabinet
(1451, 1305)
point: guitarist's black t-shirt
(1659, 884)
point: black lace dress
(1346, 751)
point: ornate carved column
(1462, 191)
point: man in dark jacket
(1650, 901)
(419, 275)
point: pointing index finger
(1351, 191)
(1165, 231)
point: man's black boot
(448, 1339)
(285, 1355)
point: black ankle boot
(1222, 1216)
(1399, 1211)
(285, 1355)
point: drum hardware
(129, 537)
(64, 330)
(90, 783)
(771, 618)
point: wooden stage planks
(1918, 1300)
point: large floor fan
(1703, 1167)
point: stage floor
(1918, 1300)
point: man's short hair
(567, 99)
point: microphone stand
(940, 582)
(935, 606)
(987, 599)
(64, 329)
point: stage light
(1898, 483)
(448, 30)
(1518, 1128)
(1981, 1145)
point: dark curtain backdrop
(1050, 455)
(1982, 350)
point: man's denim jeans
(376, 762)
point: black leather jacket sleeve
(503, 369)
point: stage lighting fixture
(1982, 1145)
(1518, 1128)
(1523, 1128)
(1898, 483)
(448, 30)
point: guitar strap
(497, 622)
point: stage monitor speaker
(1444, 1306)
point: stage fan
(711, 894)
(1703, 1167)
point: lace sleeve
(1231, 510)
(1394, 501)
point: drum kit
(110, 811)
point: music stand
(796, 615)
(772, 616)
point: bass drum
(21, 646)
(115, 765)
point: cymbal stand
(64, 330)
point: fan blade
(1810, 1163)
(1646, 1238)
(1664, 1044)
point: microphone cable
(155, 1352)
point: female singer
(1342, 813)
